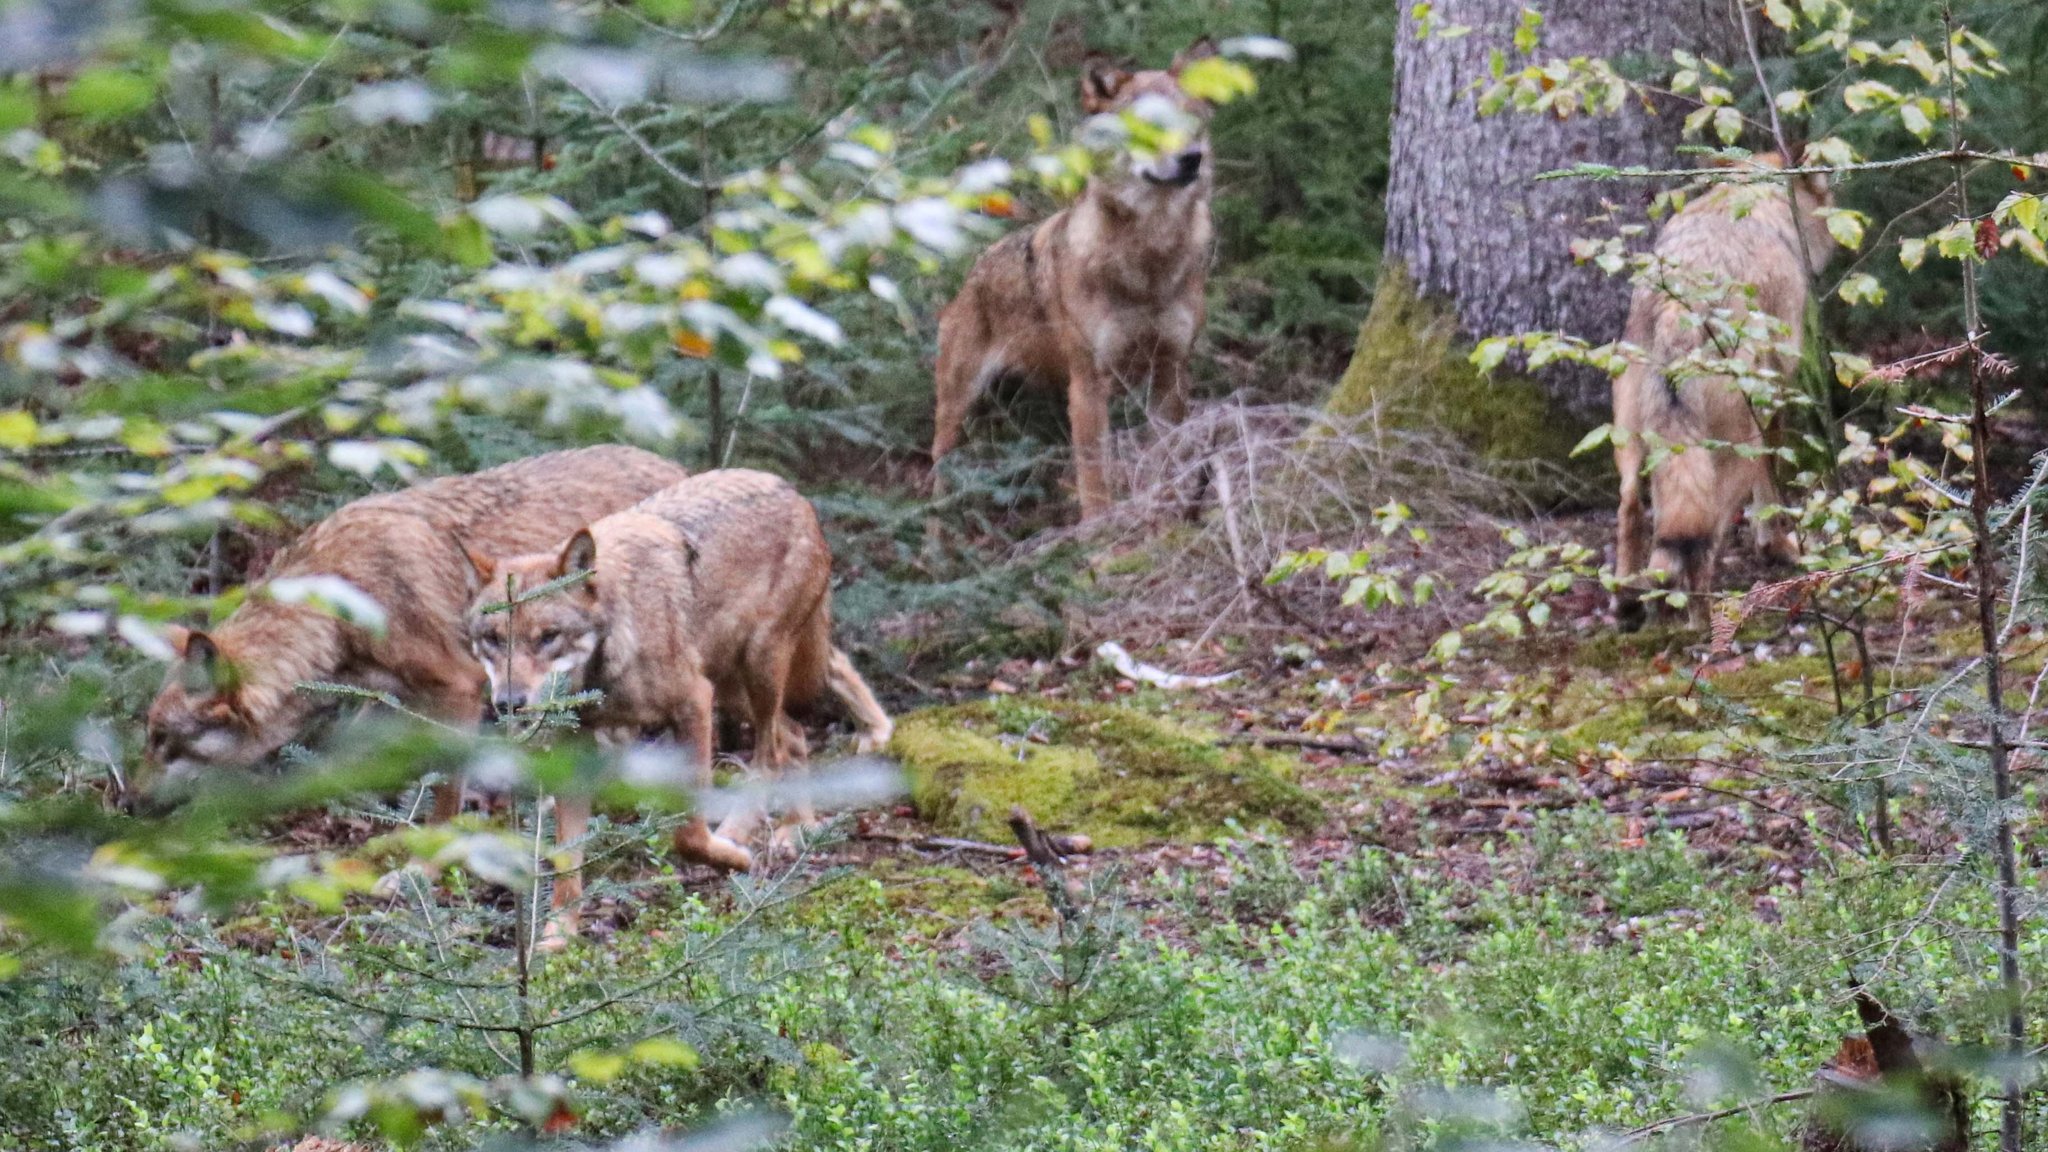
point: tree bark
(1468, 226)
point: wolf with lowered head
(713, 593)
(1740, 252)
(233, 698)
(1103, 295)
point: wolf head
(555, 635)
(1812, 195)
(200, 718)
(1156, 94)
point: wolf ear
(1101, 81)
(1201, 49)
(481, 568)
(578, 555)
(1816, 184)
(202, 670)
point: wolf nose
(509, 701)
(1188, 164)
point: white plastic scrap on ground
(1130, 668)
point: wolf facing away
(232, 699)
(1103, 294)
(1733, 240)
(714, 593)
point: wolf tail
(819, 667)
(873, 724)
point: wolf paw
(1630, 613)
(556, 934)
(789, 838)
(719, 852)
(873, 740)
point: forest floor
(1649, 734)
(1556, 872)
(1653, 731)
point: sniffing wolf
(712, 594)
(1105, 294)
(232, 698)
(1733, 239)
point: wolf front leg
(1169, 391)
(456, 699)
(1088, 416)
(572, 824)
(693, 725)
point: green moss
(1654, 718)
(950, 894)
(1797, 689)
(1136, 562)
(1413, 368)
(906, 893)
(1618, 723)
(1609, 650)
(1113, 773)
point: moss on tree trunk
(1412, 366)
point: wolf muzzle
(1180, 171)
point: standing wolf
(232, 699)
(713, 593)
(1746, 250)
(1106, 293)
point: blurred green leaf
(106, 94)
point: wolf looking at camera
(1106, 294)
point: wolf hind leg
(1777, 540)
(1632, 532)
(957, 383)
(765, 680)
(817, 667)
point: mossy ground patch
(1114, 773)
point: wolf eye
(548, 637)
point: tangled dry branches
(1215, 500)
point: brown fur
(1737, 234)
(715, 592)
(1108, 292)
(1871, 1075)
(232, 699)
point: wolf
(1105, 293)
(231, 698)
(1756, 248)
(714, 593)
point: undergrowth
(1574, 986)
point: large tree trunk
(1475, 245)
